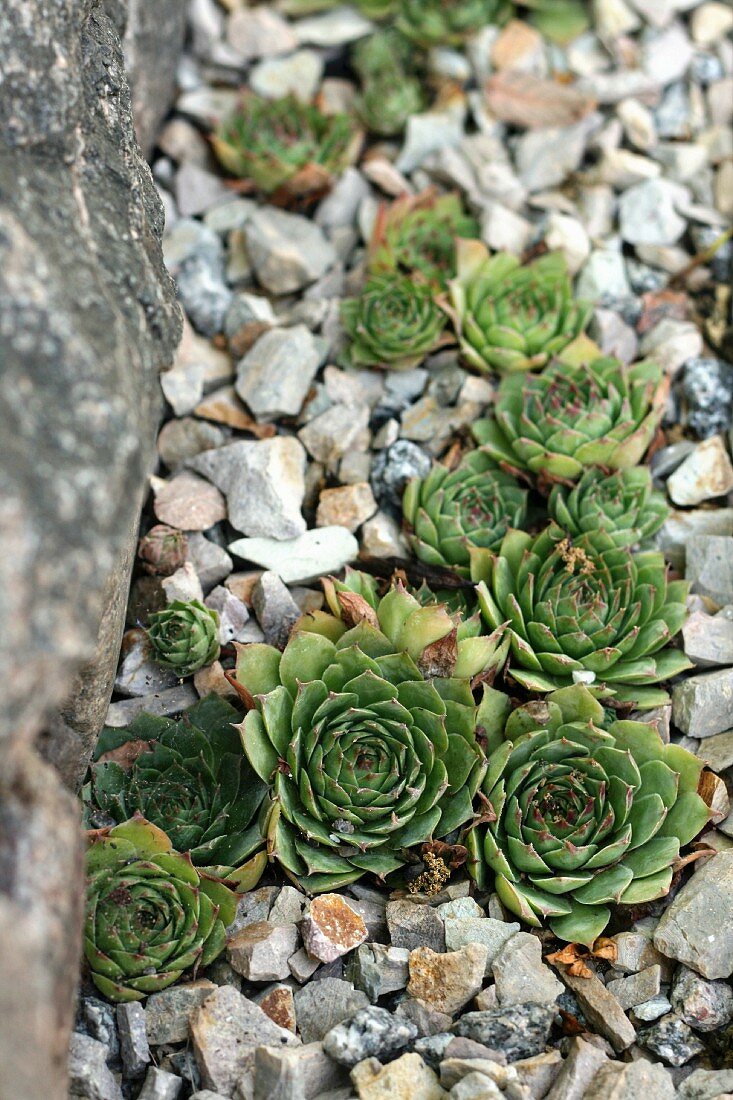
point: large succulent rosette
(188, 777)
(184, 636)
(366, 753)
(557, 423)
(512, 316)
(150, 914)
(416, 235)
(430, 23)
(393, 324)
(584, 609)
(582, 813)
(624, 505)
(451, 511)
(287, 149)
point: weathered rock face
(87, 319)
(152, 44)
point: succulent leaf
(430, 23)
(370, 744)
(416, 235)
(577, 825)
(624, 505)
(390, 91)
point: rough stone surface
(704, 1005)
(518, 1031)
(319, 1006)
(226, 1030)
(414, 925)
(161, 1085)
(167, 1013)
(602, 1010)
(407, 1078)
(372, 1032)
(263, 483)
(134, 1047)
(331, 928)
(286, 250)
(705, 474)
(377, 969)
(710, 566)
(706, 1084)
(89, 1074)
(87, 320)
(260, 952)
(578, 1071)
(447, 981)
(520, 975)
(153, 32)
(274, 377)
(672, 1040)
(300, 1073)
(494, 934)
(703, 705)
(697, 928)
(303, 559)
(275, 608)
(620, 1081)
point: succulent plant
(430, 23)
(188, 777)
(184, 636)
(416, 235)
(569, 417)
(163, 550)
(624, 505)
(369, 747)
(390, 92)
(559, 20)
(583, 609)
(451, 511)
(511, 316)
(394, 324)
(582, 813)
(150, 914)
(287, 149)
(441, 642)
(376, 9)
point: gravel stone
(648, 215)
(274, 377)
(413, 924)
(704, 1005)
(167, 1013)
(520, 975)
(89, 1074)
(706, 1084)
(260, 951)
(707, 390)
(447, 981)
(287, 251)
(703, 705)
(188, 503)
(372, 1032)
(709, 567)
(578, 1070)
(276, 610)
(320, 1006)
(704, 474)
(602, 1010)
(377, 969)
(211, 561)
(264, 484)
(697, 928)
(393, 468)
(160, 1085)
(638, 988)
(134, 1047)
(331, 928)
(493, 934)
(346, 506)
(518, 1031)
(407, 1078)
(298, 561)
(672, 1040)
(293, 1074)
(629, 1081)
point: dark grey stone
(372, 1033)
(153, 43)
(393, 468)
(518, 1031)
(707, 390)
(134, 1046)
(671, 1039)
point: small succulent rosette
(150, 915)
(184, 636)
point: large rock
(87, 320)
(152, 43)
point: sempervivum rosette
(416, 235)
(188, 777)
(449, 512)
(624, 505)
(184, 636)
(150, 914)
(393, 324)
(584, 609)
(390, 91)
(430, 23)
(512, 316)
(582, 813)
(288, 149)
(366, 750)
(570, 416)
